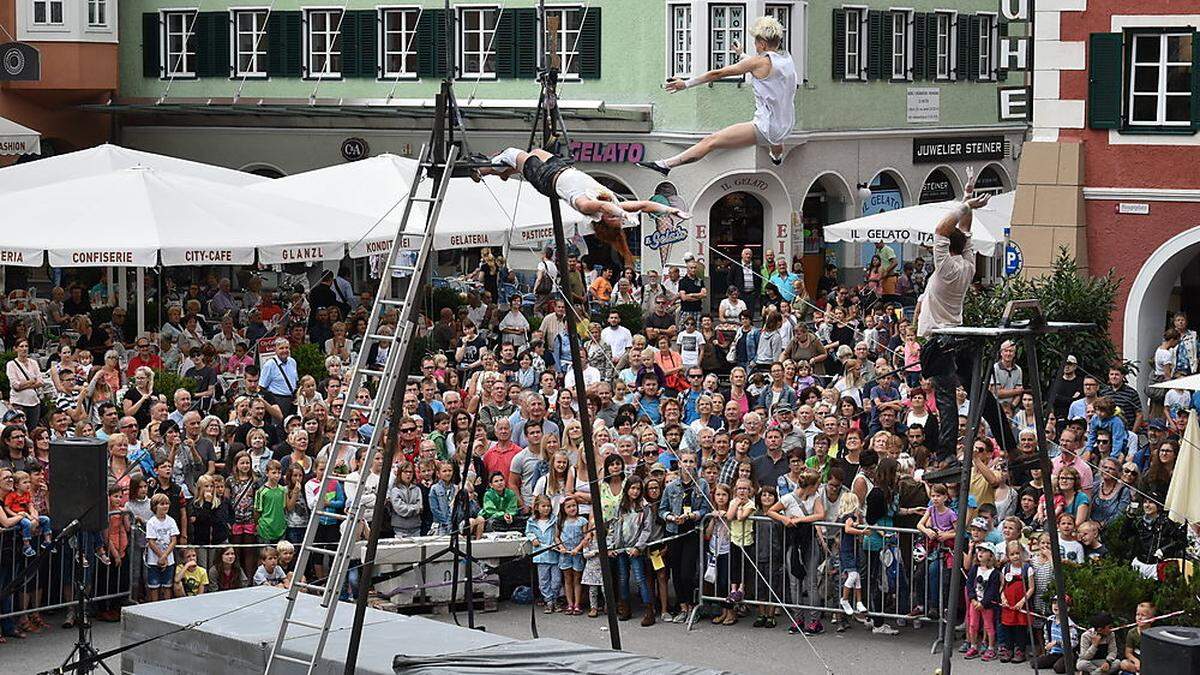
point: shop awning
(916, 225)
(16, 139)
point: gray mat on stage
(239, 627)
(239, 642)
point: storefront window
(734, 222)
(937, 188)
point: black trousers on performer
(949, 362)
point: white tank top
(775, 99)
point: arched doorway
(941, 185)
(825, 203)
(1168, 281)
(600, 253)
(735, 221)
(887, 194)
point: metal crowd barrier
(895, 584)
(48, 580)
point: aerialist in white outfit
(552, 177)
(773, 76)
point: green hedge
(311, 361)
(166, 382)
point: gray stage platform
(239, 642)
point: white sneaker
(667, 617)
(862, 609)
(846, 607)
(884, 629)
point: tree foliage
(1066, 294)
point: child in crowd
(852, 532)
(19, 502)
(938, 526)
(210, 520)
(592, 577)
(768, 553)
(269, 573)
(405, 502)
(573, 536)
(162, 533)
(426, 477)
(1098, 646)
(118, 529)
(717, 534)
(1132, 662)
(1016, 580)
(295, 506)
(499, 507)
(540, 529)
(269, 504)
(191, 578)
(139, 513)
(741, 536)
(441, 500)
(1052, 651)
(983, 595)
(260, 454)
(242, 487)
(227, 574)
(287, 561)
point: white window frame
(407, 38)
(680, 39)
(730, 35)
(1161, 94)
(902, 44)
(187, 32)
(332, 37)
(948, 39)
(258, 34)
(856, 33)
(568, 40)
(986, 46)
(48, 7)
(97, 13)
(486, 38)
(788, 11)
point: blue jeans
(27, 527)
(549, 581)
(625, 563)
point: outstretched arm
(647, 206)
(732, 70)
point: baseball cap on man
(1071, 359)
(13, 415)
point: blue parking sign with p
(1013, 259)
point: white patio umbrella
(916, 224)
(474, 214)
(130, 217)
(1183, 495)
(1187, 383)
(107, 158)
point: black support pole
(585, 420)
(1060, 586)
(978, 378)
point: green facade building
(297, 85)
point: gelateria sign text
(607, 153)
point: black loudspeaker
(1171, 650)
(79, 483)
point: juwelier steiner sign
(971, 148)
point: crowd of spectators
(771, 418)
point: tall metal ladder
(428, 187)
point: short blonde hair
(768, 29)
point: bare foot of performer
(773, 77)
(552, 177)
